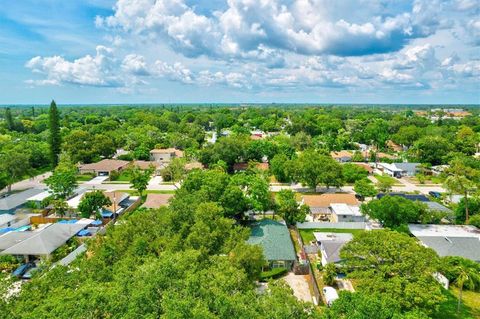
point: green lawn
(386, 178)
(307, 234)
(134, 192)
(470, 308)
(84, 177)
(123, 177)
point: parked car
(435, 194)
(22, 269)
(330, 295)
(30, 272)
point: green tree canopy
(394, 211)
(288, 207)
(92, 202)
(396, 267)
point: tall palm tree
(463, 278)
(460, 181)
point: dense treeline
(91, 133)
(186, 261)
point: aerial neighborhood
(308, 206)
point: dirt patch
(299, 285)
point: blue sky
(174, 51)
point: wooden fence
(311, 276)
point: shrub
(273, 274)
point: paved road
(35, 182)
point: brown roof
(105, 165)
(324, 200)
(146, 164)
(341, 154)
(178, 153)
(256, 137)
(193, 165)
(116, 198)
(244, 166)
(459, 114)
(394, 146)
(366, 154)
(157, 200)
(365, 166)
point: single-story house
(165, 155)
(331, 244)
(409, 169)
(39, 242)
(342, 156)
(365, 166)
(434, 206)
(103, 168)
(413, 197)
(399, 169)
(157, 200)
(390, 169)
(274, 238)
(119, 203)
(320, 204)
(394, 146)
(6, 220)
(449, 240)
(144, 165)
(345, 213)
(11, 202)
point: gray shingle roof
(438, 207)
(407, 167)
(15, 200)
(274, 238)
(44, 242)
(467, 247)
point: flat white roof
(39, 197)
(344, 209)
(419, 230)
(333, 237)
(75, 201)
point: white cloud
(248, 29)
(135, 64)
(98, 70)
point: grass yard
(134, 192)
(124, 176)
(84, 177)
(470, 308)
(386, 178)
(307, 234)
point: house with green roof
(274, 238)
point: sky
(240, 51)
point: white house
(346, 213)
(164, 155)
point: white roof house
(6, 220)
(390, 169)
(345, 213)
(39, 197)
